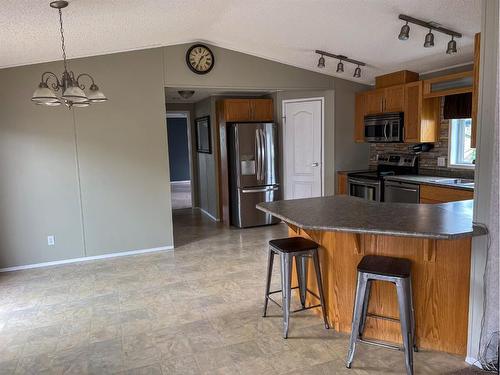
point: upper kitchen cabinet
(451, 84)
(389, 99)
(359, 119)
(241, 110)
(421, 116)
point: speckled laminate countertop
(349, 214)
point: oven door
(366, 189)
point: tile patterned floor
(193, 311)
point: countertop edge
(411, 181)
(476, 230)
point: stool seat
(385, 266)
(293, 244)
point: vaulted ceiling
(287, 31)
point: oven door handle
(363, 182)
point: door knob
(315, 164)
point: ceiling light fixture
(321, 62)
(340, 65)
(357, 72)
(429, 37)
(73, 94)
(185, 94)
(404, 34)
(452, 47)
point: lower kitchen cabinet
(437, 194)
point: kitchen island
(436, 238)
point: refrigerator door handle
(263, 153)
(258, 147)
(259, 190)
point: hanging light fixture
(73, 94)
(452, 46)
(429, 39)
(404, 34)
(340, 67)
(357, 72)
(321, 62)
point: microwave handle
(385, 130)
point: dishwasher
(401, 192)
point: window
(461, 155)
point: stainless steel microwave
(384, 127)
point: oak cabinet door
(413, 107)
(374, 101)
(394, 99)
(237, 110)
(261, 109)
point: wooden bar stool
(398, 272)
(301, 249)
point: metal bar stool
(301, 249)
(396, 271)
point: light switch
(441, 161)
(51, 240)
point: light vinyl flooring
(196, 310)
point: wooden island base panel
(440, 278)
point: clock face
(200, 59)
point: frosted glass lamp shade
(96, 95)
(74, 94)
(44, 95)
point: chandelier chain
(63, 46)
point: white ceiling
(172, 95)
(282, 30)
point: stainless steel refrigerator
(253, 172)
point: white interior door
(302, 148)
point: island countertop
(349, 214)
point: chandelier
(71, 88)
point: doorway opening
(178, 132)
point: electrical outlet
(51, 240)
(441, 161)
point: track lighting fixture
(340, 64)
(429, 37)
(321, 62)
(340, 67)
(452, 47)
(404, 34)
(357, 72)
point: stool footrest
(380, 344)
(294, 311)
(382, 317)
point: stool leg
(286, 290)
(405, 320)
(317, 269)
(301, 266)
(365, 308)
(356, 316)
(413, 332)
(270, 262)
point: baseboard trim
(208, 214)
(474, 362)
(84, 259)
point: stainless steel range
(370, 185)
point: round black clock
(200, 59)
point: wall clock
(200, 59)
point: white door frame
(322, 151)
(185, 114)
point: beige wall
(97, 178)
(116, 159)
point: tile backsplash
(428, 160)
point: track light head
(404, 34)
(357, 72)
(321, 62)
(452, 47)
(340, 67)
(429, 39)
